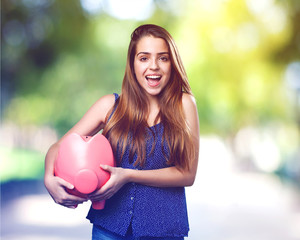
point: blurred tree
(57, 58)
(291, 50)
(52, 64)
(230, 60)
(35, 34)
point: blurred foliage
(20, 164)
(242, 58)
(232, 51)
(58, 58)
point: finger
(69, 205)
(100, 198)
(102, 191)
(102, 194)
(73, 198)
(73, 206)
(65, 183)
(99, 195)
(67, 197)
(106, 168)
(96, 195)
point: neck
(153, 111)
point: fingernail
(102, 166)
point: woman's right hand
(91, 123)
(57, 188)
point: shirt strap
(115, 106)
(116, 96)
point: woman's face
(152, 64)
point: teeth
(154, 77)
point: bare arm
(89, 124)
(165, 177)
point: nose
(154, 65)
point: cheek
(168, 71)
(168, 79)
(137, 69)
(138, 73)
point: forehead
(152, 45)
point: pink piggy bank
(78, 162)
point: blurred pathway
(29, 213)
(244, 207)
(255, 207)
(223, 204)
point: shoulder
(102, 106)
(188, 101)
(106, 101)
(190, 110)
(94, 119)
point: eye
(164, 58)
(143, 59)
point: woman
(153, 128)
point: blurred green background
(242, 58)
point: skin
(152, 58)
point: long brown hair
(128, 124)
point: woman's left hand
(118, 177)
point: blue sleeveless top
(149, 211)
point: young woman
(153, 128)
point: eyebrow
(147, 53)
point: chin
(153, 93)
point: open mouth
(153, 80)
